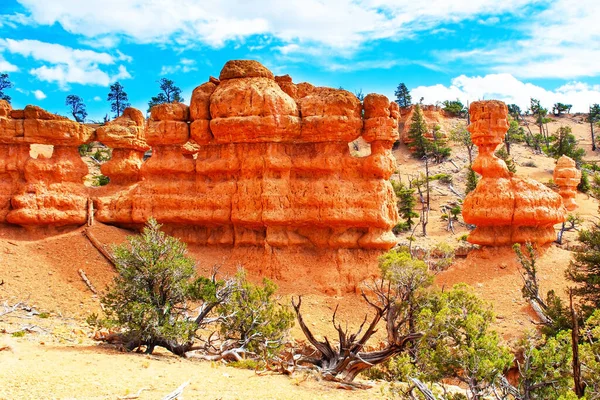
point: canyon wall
(254, 161)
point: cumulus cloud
(97, 98)
(65, 65)
(561, 41)
(335, 23)
(509, 89)
(39, 94)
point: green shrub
(102, 155)
(503, 155)
(530, 164)
(84, 149)
(584, 184)
(256, 321)
(444, 178)
(100, 180)
(18, 334)
(149, 296)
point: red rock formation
(433, 116)
(52, 193)
(505, 208)
(255, 162)
(263, 176)
(14, 152)
(126, 136)
(567, 177)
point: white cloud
(509, 89)
(39, 94)
(339, 24)
(97, 98)
(5, 66)
(185, 65)
(562, 41)
(65, 65)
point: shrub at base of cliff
(254, 321)
(458, 342)
(149, 297)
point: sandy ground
(57, 359)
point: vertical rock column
(53, 192)
(126, 136)
(14, 153)
(567, 177)
(168, 174)
(505, 208)
(381, 131)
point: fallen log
(87, 281)
(99, 246)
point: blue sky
(468, 49)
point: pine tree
(403, 97)
(472, 181)
(566, 144)
(585, 269)
(418, 129)
(170, 93)
(406, 205)
(76, 107)
(438, 146)
(508, 160)
(5, 83)
(118, 98)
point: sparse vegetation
(5, 83)
(403, 97)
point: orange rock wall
(266, 163)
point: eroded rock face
(505, 208)
(254, 164)
(127, 137)
(268, 167)
(567, 177)
(46, 192)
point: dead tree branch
(99, 246)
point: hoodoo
(505, 208)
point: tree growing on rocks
(169, 93)
(118, 99)
(406, 205)
(585, 269)
(403, 97)
(460, 135)
(76, 107)
(566, 144)
(5, 83)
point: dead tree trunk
(348, 360)
(579, 385)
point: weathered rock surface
(254, 162)
(268, 169)
(567, 177)
(505, 208)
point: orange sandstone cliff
(255, 162)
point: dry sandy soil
(57, 359)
